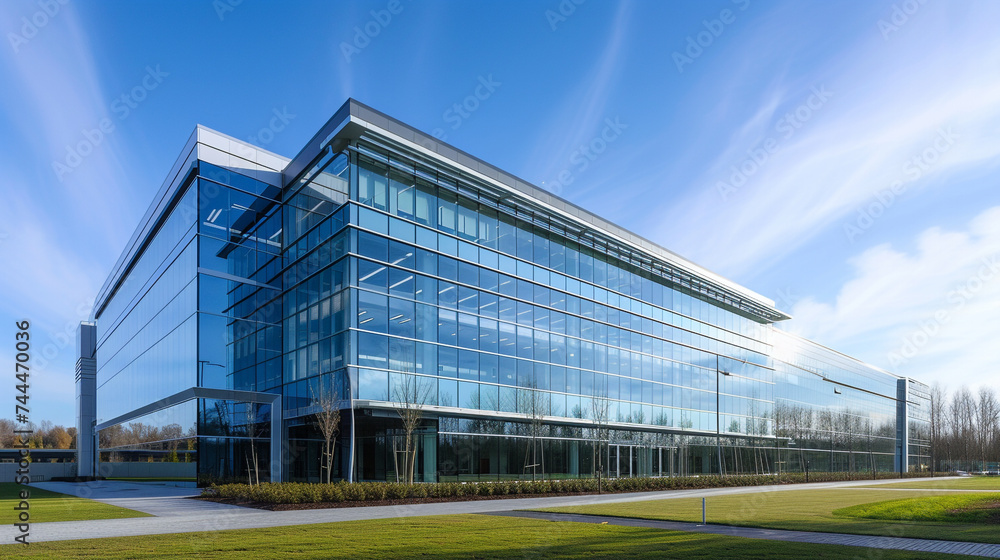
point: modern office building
(389, 270)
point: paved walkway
(177, 514)
(889, 543)
(155, 499)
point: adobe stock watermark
(899, 16)
(364, 34)
(33, 24)
(760, 153)
(279, 120)
(957, 299)
(585, 154)
(223, 7)
(563, 11)
(913, 169)
(696, 44)
(122, 107)
(787, 298)
(458, 113)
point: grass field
(51, 506)
(802, 510)
(957, 508)
(969, 483)
(466, 536)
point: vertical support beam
(86, 400)
(902, 427)
(718, 415)
(276, 438)
(350, 393)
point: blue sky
(839, 158)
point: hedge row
(300, 492)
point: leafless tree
(411, 393)
(964, 429)
(327, 403)
(600, 408)
(986, 413)
(535, 404)
(963, 414)
(253, 467)
(937, 424)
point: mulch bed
(366, 503)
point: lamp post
(201, 370)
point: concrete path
(177, 514)
(154, 499)
(889, 543)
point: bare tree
(328, 421)
(535, 404)
(253, 467)
(937, 425)
(411, 393)
(964, 429)
(172, 434)
(987, 411)
(963, 412)
(600, 408)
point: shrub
(298, 492)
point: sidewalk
(177, 514)
(155, 499)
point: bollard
(703, 522)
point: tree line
(43, 436)
(964, 429)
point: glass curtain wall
(239, 320)
(147, 341)
(314, 315)
(832, 413)
(495, 313)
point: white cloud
(56, 100)
(889, 103)
(61, 236)
(587, 107)
(932, 314)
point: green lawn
(466, 536)
(956, 508)
(968, 483)
(51, 506)
(803, 510)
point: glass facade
(540, 344)
(200, 307)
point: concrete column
(86, 400)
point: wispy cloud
(53, 92)
(932, 313)
(587, 106)
(889, 102)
